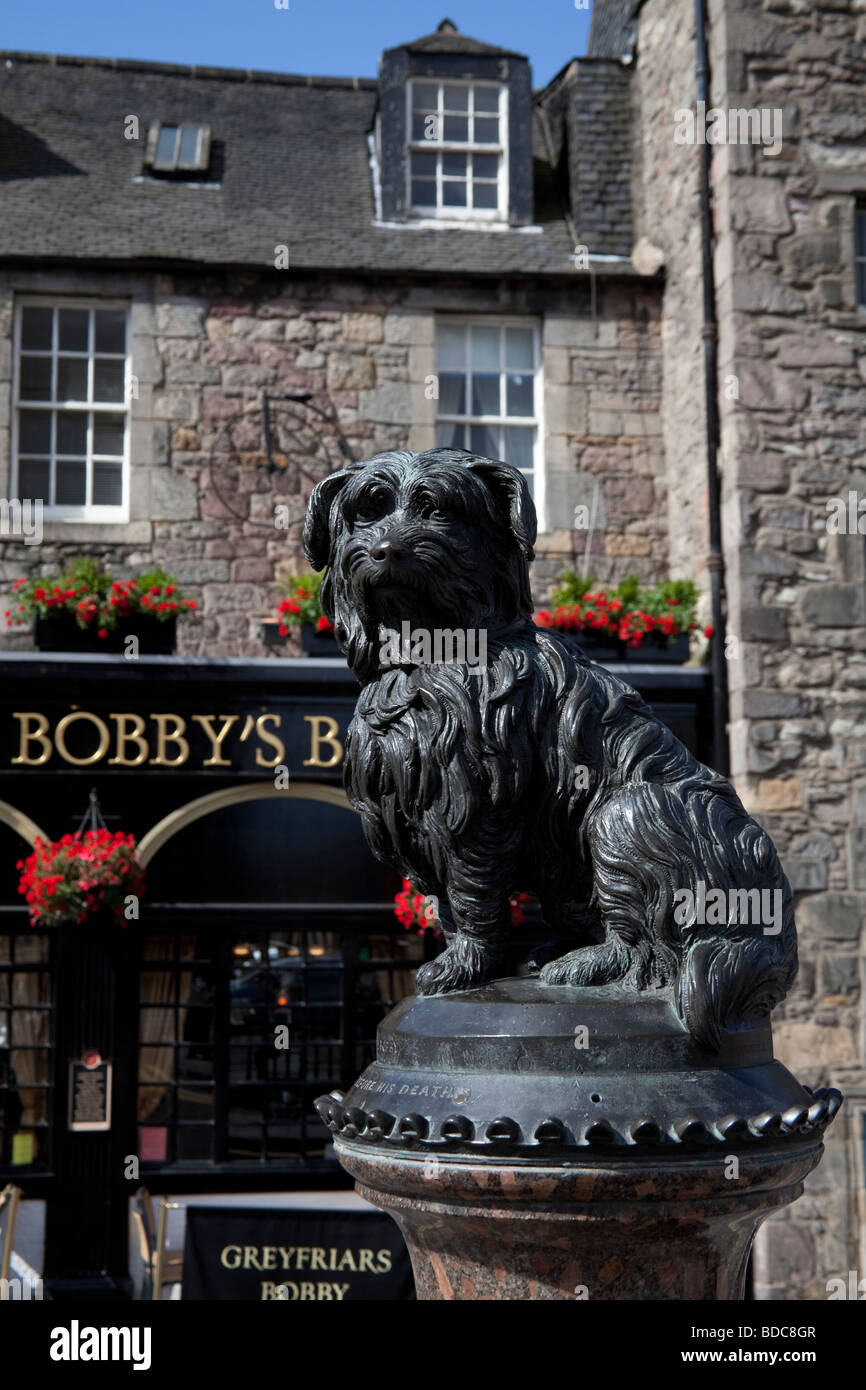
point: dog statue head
(440, 539)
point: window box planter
(314, 643)
(61, 633)
(653, 649)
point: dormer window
(178, 149)
(456, 151)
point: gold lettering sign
(27, 735)
(60, 738)
(317, 738)
(273, 741)
(128, 741)
(136, 736)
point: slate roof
(447, 39)
(293, 163)
(612, 28)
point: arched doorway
(269, 955)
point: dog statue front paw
(462, 965)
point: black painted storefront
(263, 909)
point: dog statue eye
(372, 507)
(431, 513)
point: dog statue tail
(693, 888)
(746, 967)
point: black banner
(296, 1256)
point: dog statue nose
(386, 550)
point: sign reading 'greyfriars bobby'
(294, 1256)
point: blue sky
(336, 37)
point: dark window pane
(195, 1103)
(31, 1063)
(450, 436)
(108, 379)
(485, 195)
(34, 479)
(36, 327)
(452, 394)
(455, 165)
(451, 345)
(165, 147)
(861, 282)
(155, 1064)
(194, 1142)
(32, 987)
(860, 229)
(485, 395)
(518, 348)
(196, 1063)
(108, 434)
(484, 439)
(484, 355)
(485, 166)
(72, 329)
(71, 379)
(35, 432)
(518, 446)
(189, 138)
(423, 165)
(486, 98)
(109, 330)
(71, 432)
(456, 128)
(71, 483)
(157, 1025)
(34, 1106)
(455, 97)
(35, 378)
(454, 194)
(424, 96)
(423, 193)
(487, 130)
(107, 485)
(518, 395)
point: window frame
(536, 420)
(98, 513)
(439, 211)
(202, 156)
(225, 1090)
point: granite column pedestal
(541, 1142)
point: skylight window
(178, 149)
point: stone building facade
(792, 363)
(292, 262)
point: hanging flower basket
(81, 876)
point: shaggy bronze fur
(538, 772)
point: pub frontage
(182, 1050)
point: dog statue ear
(511, 490)
(317, 523)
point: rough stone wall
(665, 190)
(204, 348)
(792, 363)
(792, 338)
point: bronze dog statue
(533, 770)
